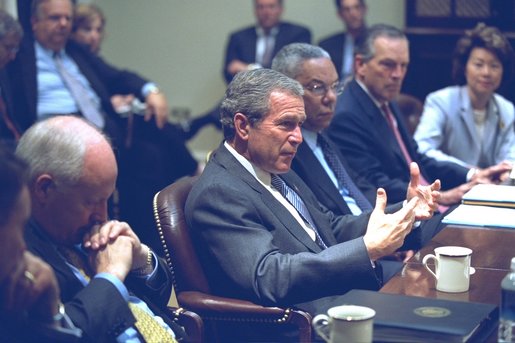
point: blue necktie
(344, 179)
(80, 95)
(296, 201)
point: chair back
(226, 318)
(174, 234)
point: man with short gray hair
(72, 173)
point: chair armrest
(211, 307)
(190, 321)
(207, 304)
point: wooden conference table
(491, 257)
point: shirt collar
(376, 102)
(41, 49)
(260, 174)
(261, 33)
(310, 138)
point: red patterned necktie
(390, 119)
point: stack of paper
(485, 205)
(491, 195)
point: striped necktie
(344, 179)
(295, 200)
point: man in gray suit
(261, 234)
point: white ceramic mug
(452, 268)
(346, 323)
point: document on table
(476, 215)
(491, 195)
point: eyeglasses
(321, 89)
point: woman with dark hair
(88, 29)
(469, 123)
(88, 26)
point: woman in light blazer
(469, 123)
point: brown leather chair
(411, 110)
(192, 288)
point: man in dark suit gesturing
(261, 233)
(368, 130)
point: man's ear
(359, 64)
(43, 186)
(241, 126)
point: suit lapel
(311, 164)
(491, 127)
(233, 167)
(40, 245)
(280, 39)
(378, 120)
(467, 116)
(26, 64)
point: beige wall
(180, 44)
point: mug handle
(426, 259)
(321, 324)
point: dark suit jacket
(334, 45)
(369, 145)
(7, 97)
(98, 309)
(252, 248)
(156, 157)
(242, 44)
(105, 80)
(308, 168)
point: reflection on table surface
(415, 280)
(491, 248)
(491, 256)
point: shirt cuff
(148, 88)
(116, 283)
(471, 173)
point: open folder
(401, 318)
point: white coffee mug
(452, 268)
(346, 323)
